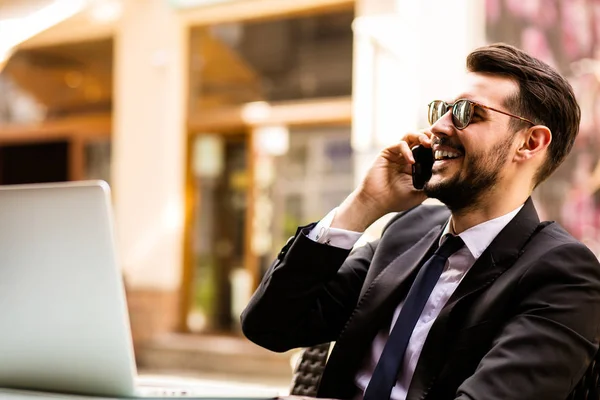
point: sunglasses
(462, 112)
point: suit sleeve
(307, 294)
(544, 350)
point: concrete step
(233, 356)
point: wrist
(356, 213)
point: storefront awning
(42, 22)
(24, 20)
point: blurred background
(222, 125)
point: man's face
(484, 148)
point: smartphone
(421, 169)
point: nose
(443, 126)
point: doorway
(34, 163)
(259, 87)
(219, 248)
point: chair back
(308, 372)
(587, 388)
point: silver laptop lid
(63, 318)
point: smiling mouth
(440, 155)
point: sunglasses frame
(472, 104)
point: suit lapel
(500, 255)
(392, 282)
(392, 276)
(374, 306)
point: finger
(426, 131)
(406, 152)
(416, 138)
(425, 137)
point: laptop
(64, 325)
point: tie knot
(450, 246)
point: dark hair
(544, 97)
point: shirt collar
(479, 237)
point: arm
(309, 292)
(306, 295)
(545, 349)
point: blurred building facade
(222, 125)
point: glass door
(219, 230)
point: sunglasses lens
(462, 113)
(437, 109)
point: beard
(467, 187)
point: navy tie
(386, 372)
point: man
(506, 308)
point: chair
(309, 369)
(587, 388)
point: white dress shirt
(476, 239)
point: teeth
(441, 154)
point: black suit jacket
(523, 323)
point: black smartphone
(421, 169)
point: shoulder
(554, 251)
(553, 238)
(557, 235)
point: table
(8, 394)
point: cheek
(493, 157)
(479, 161)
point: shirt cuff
(323, 233)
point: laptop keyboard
(155, 391)
(165, 392)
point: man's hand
(386, 188)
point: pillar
(148, 160)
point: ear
(535, 142)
